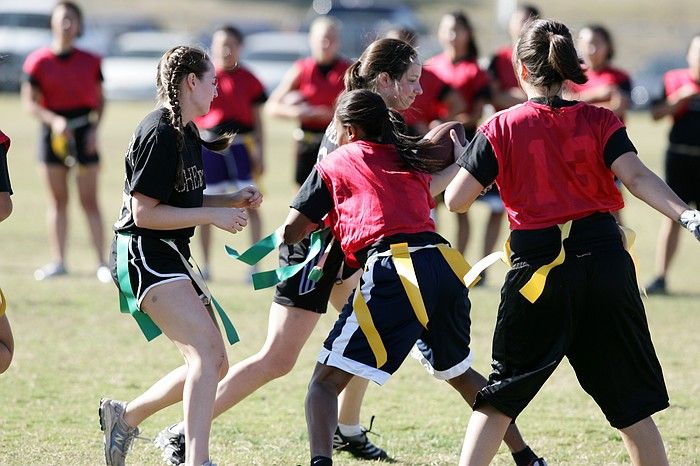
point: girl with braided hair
(163, 202)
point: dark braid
(369, 112)
(175, 65)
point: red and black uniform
(362, 187)
(232, 110)
(590, 309)
(463, 75)
(501, 70)
(683, 154)
(318, 85)
(71, 86)
(5, 186)
(427, 106)
(608, 76)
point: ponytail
(547, 50)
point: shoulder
(156, 125)
(38, 56)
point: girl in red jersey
(63, 90)
(505, 89)
(681, 101)
(606, 86)
(236, 108)
(458, 67)
(163, 201)
(308, 91)
(437, 103)
(588, 307)
(363, 186)
(7, 343)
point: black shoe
(658, 286)
(359, 445)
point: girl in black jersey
(163, 202)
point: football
(443, 151)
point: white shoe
(103, 274)
(51, 270)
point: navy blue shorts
(231, 166)
(443, 347)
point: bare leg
(462, 232)
(322, 407)
(57, 212)
(178, 311)
(350, 401)
(666, 245)
(493, 228)
(468, 384)
(254, 225)
(205, 241)
(644, 444)
(87, 188)
(288, 329)
(484, 434)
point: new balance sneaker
(118, 435)
(359, 445)
(538, 462)
(171, 443)
(103, 274)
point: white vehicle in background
(268, 55)
(130, 73)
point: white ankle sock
(350, 430)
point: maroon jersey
(604, 77)
(370, 185)
(464, 76)
(4, 141)
(239, 92)
(319, 88)
(427, 106)
(674, 80)
(551, 167)
(67, 82)
(502, 68)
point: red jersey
(427, 105)
(550, 162)
(604, 77)
(374, 195)
(4, 142)
(318, 88)
(674, 80)
(239, 93)
(67, 82)
(502, 68)
(464, 76)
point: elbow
(291, 235)
(453, 204)
(140, 215)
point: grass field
(73, 346)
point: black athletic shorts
(299, 291)
(307, 155)
(152, 262)
(590, 311)
(81, 157)
(683, 176)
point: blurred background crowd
(651, 37)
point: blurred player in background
(308, 91)
(236, 109)
(62, 88)
(681, 101)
